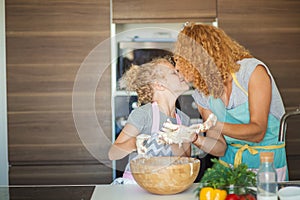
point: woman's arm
(184, 150)
(259, 95)
(124, 144)
(214, 142)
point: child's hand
(175, 134)
(140, 143)
(178, 134)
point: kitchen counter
(96, 192)
(134, 192)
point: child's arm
(124, 144)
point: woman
(158, 86)
(239, 89)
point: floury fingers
(210, 122)
(178, 134)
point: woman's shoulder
(247, 67)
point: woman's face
(173, 80)
(188, 76)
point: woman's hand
(209, 123)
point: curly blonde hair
(206, 55)
(140, 79)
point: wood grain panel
(292, 135)
(50, 78)
(59, 15)
(269, 29)
(291, 98)
(40, 102)
(49, 193)
(65, 49)
(47, 44)
(53, 137)
(293, 166)
(261, 14)
(60, 175)
(266, 44)
(163, 11)
(292, 146)
(284, 72)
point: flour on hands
(178, 134)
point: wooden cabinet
(270, 30)
(163, 11)
(47, 42)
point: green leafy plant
(221, 175)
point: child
(158, 86)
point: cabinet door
(47, 43)
(133, 11)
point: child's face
(173, 80)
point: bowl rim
(195, 160)
(289, 189)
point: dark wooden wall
(47, 41)
(271, 31)
(157, 11)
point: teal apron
(241, 151)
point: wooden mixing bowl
(165, 175)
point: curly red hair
(206, 55)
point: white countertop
(135, 192)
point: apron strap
(155, 117)
(238, 84)
(178, 120)
(252, 150)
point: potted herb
(224, 178)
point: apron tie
(252, 150)
(239, 153)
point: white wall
(3, 105)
